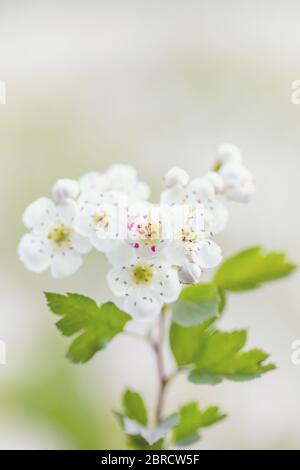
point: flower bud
(176, 176)
(239, 184)
(189, 273)
(228, 153)
(216, 180)
(65, 189)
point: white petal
(122, 255)
(176, 253)
(65, 263)
(34, 252)
(166, 284)
(215, 216)
(142, 305)
(189, 273)
(66, 212)
(216, 180)
(171, 196)
(39, 213)
(198, 191)
(92, 181)
(80, 244)
(121, 174)
(82, 224)
(119, 281)
(142, 191)
(207, 254)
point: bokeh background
(153, 84)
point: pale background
(153, 84)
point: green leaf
(250, 268)
(95, 325)
(196, 303)
(216, 355)
(191, 420)
(134, 407)
(186, 343)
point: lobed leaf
(191, 420)
(95, 325)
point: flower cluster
(153, 249)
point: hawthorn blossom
(142, 288)
(123, 178)
(99, 216)
(200, 191)
(52, 241)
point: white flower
(239, 184)
(99, 217)
(197, 191)
(189, 273)
(122, 178)
(144, 287)
(192, 246)
(65, 189)
(201, 191)
(145, 230)
(228, 153)
(52, 242)
(176, 176)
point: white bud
(65, 189)
(239, 184)
(228, 153)
(189, 273)
(216, 180)
(176, 176)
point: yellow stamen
(142, 274)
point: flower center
(188, 236)
(61, 235)
(148, 233)
(142, 274)
(101, 221)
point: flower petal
(66, 212)
(122, 254)
(166, 285)
(80, 244)
(119, 281)
(173, 195)
(65, 263)
(34, 252)
(142, 305)
(215, 216)
(207, 254)
(39, 214)
(175, 253)
(92, 181)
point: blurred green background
(153, 84)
